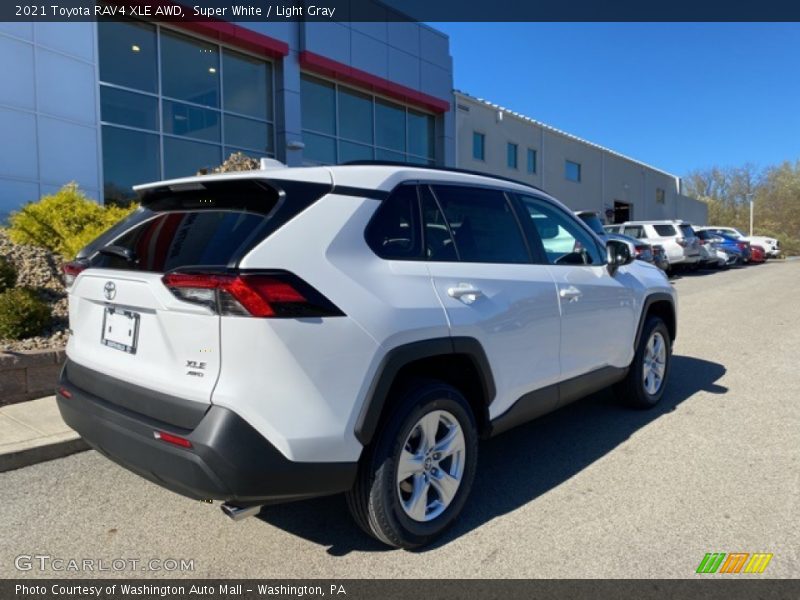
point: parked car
(738, 252)
(710, 256)
(641, 249)
(757, 254)
(375, 321)
(771, 246)
(677, 237)
(660, 257)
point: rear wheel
(414, 480)
(644, 385)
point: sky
(679, 96)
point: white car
(287, 333)
(676, 236)
(771, 246)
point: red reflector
(65, 392)
(172, 439)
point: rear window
(686, 230)
(203, 224)
(664, 230)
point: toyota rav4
(287, 333)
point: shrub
(63, 222)
(22, 314)
(8, 275)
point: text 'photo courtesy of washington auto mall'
(373, 299)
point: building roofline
(550, 128)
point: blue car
(728, 244)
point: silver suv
(676, 236)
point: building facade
(583, 175)
(112, 104)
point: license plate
(120, 329)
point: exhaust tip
(237, 513)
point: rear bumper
(228, 459)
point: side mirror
(618, 254)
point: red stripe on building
(341, 72)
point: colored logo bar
(735, 562)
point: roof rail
(397, 163)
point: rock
(39, 269)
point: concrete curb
(42, 453)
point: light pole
(749, 196)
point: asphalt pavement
(593, 490)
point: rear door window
(664, 230)
(483, 224)
(393, 232)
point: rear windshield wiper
(122, 252)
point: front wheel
(414, 480)
(644, 385)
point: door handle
(571, 293)
(464, 292)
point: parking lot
(594, 490)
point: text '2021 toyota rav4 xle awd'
(288, 333)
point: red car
(757, 254)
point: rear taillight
(71, 271)
(640, 249)
(268, 295)
(741, 245)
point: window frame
(223, 144)
(482, 136)
(515, 146)
(373, 146)
(531, 164)
(568, 162)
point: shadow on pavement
(516, 467)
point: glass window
(572, 171)
(128, 108)
(348, 151)
(128, 54)
(511, 155)
(382, 154)
(563, 239)
(319, 148)
(247, 85)
(355, 116)
(318, 105)
(665, 230)
(478, 146)
(531, 160)
(189, 69)
(191, 121)
(483, 224)
(390, 126)
(393, 232)
(439, 244)
(660, 196)
(686, 230)
(129, 158)
(178, 239)
(183, 158)
(248, 133)
(635, 231)
(420, 134)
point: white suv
(281, 334)
(676, 236)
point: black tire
(375, 500)
(632, 390)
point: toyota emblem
(110, 290)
